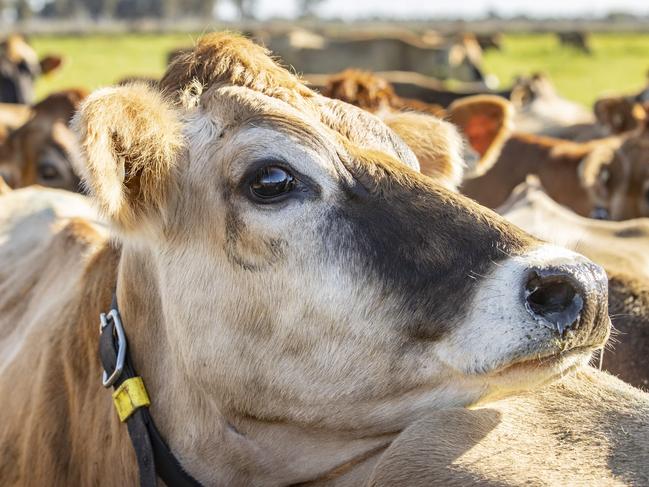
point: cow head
(616, 176)
(19, 67)
(363, 89)
(528, 89)
(40, 151)
(282, 254)
(619, 114)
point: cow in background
(19, 68)
(483, 120)
(41, 150)
(575, 39)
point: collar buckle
(111, 323)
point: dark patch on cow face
(419, 242)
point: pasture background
(619, 62)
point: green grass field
(619, 62)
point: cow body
(554, 161)
(294, 292)
(316, 54)
(590, 429)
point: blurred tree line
(135, 9)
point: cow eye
(48, 172)
(271, 182)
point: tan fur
(619, 114)
(590, 429)
(129, 165)
(12, 116)
(439, 148)
(4, 187)
(235, 60)
(616, 175)
(281, 341)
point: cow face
(307, 272)
(616, 177)
(19, 67)
(40, 151)
(619, 114)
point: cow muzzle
(546, 310)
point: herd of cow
(312, 280)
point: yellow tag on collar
(130, 396)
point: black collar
(153, 454)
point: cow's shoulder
(47, 238)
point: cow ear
(486, 122)
(130, 137)
(50, 63)
(436, 143)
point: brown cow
(294, 292)
(40, 151)
(606, 178)
(621, 248)
(619, 114)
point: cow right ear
(130, 137)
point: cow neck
(241, 450)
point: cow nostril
(555, 299)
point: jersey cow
(605, 178)
(19, 67)
(293, 291)
(41, 150)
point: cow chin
(535, 372)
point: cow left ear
(486, 122)
(436, 143)
(130, 137)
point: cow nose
(565, 296)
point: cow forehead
(317, 122)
